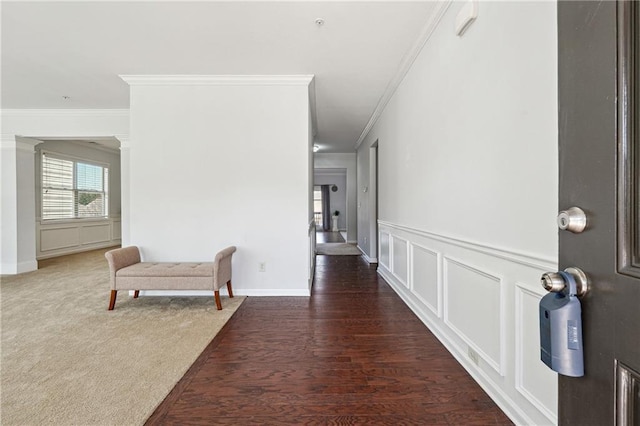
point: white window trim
(74, 158)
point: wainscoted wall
(482, 303)
(60, 238)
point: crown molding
(64, 113)
(218, 80)
(439, 9)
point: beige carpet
(66, 360)
(337, 249)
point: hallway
(353, 353)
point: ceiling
(52, 50)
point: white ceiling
(77, 49)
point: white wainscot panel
(425, 277)
(58, 238)
(534, 380)
(473, 309)
(399, 264)
(384, 250)
(95, 233)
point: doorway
(330, 204)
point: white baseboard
(367, 258)
(223, 291)
(74, 250)
(18, 268)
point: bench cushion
(167, 269)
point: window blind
(73, 188)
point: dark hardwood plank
(352, 354)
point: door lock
(555, 282)
(560, 313)
(573, 220)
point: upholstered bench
(129, 273)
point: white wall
(468, 195)
(18, 205)
(363, 200)
(18, 218)
(348, 162)
(213, 163)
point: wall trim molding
(439, 9)
(86, 247)
(18, 267)
(218, 80)
(526, 259)
(365, 257)
(236, 291)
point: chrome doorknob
(573, 220)
(555, 282)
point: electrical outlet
(473, 355)
(262, 267)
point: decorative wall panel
(473, 308)
(425, 277)
(58, 238)
(471, 297)
(95, 233)
(400, 266)
(385, 255)
(534, 380)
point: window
(317, 205)
(73, 189)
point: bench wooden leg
(229, 289)
(112, 300)
(136, 293)
(218, 303)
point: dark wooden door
(598, 45)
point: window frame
(75, 190)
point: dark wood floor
(352, 354)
